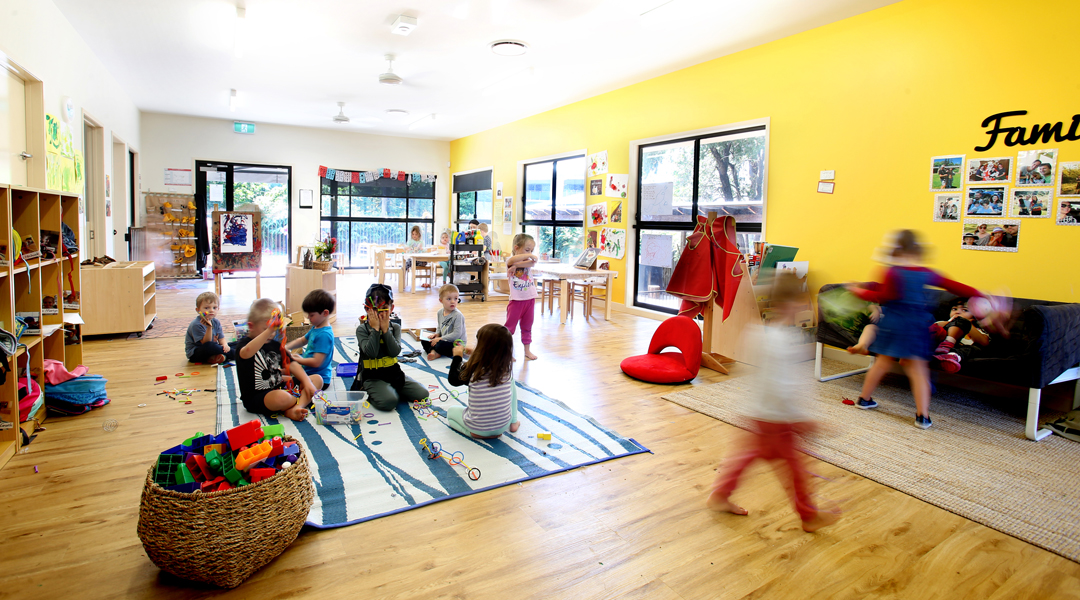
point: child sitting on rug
(492, 408)
(319, 339)
(379, 343)
(778, 411)
(205, 341)
(451, 324)
(259, 363)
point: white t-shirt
(777, 393)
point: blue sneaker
(923, 422)
(866, 403)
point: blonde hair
(521, 239)
(261, 310)
(205, 296)
(446, 289)
(483, 227)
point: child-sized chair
(388, 264)
(669, 367)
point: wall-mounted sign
(248, 128)
(1040, 134)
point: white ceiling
(303, 56)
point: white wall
(35, 35)
(176, 141)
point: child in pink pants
(522, 306)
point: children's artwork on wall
(1069, 179)
(616, 185)
(613, 242)
(242, 230)
(235, 233)
(592, 239)
(986, 201)
(995, 235)
(946, 173)
(108, 187)
(508, 202)
(1068, 211)
(616, 214)
(1035, 167)
(656, 250)
(947, 208)
(108, 207)
(597, 163)
(598, 214)
(596, 187)
(1032, 203)
(989, 170)
(52, 134)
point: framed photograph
(596, 187)
(986, 201)
(1032, 203)
(1068, 211)
(947, 208)
(1035, 167)
(598, 214)
(307, 199)
(989, 170)
(995, 235)
(946, 173)
(587, 260)
(1069, 179)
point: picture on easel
(236, 243)
(587, 260)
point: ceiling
(300, 57)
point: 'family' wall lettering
(1015, 135)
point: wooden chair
(387, 264)
(426, 271)
(549, 291)
(586, 291)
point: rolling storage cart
(462, 261)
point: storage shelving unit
(120, 297)
(461, 259)
(23, 285)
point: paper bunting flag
(322, 171)
(330, 173)
(386, 173)
(343, 177)
(401, 175)
(355, 177)
(415, 178)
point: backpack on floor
(77, 396)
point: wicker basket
(321, 265)
(222, 538)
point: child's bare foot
(216, 359)
(515, 426)
(719, 504)
(296, 413)
(432, 355)
(858, 349)
(529, 355)
(822, 519)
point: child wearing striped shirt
(492, 408)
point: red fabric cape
(709, 268)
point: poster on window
(656, 250)
(236, 233)
(613, 242)
(597, 163)
(616, 185)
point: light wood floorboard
(630, 528)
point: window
(682, 178)
(381, 212)
(473, 193)
(554, 206)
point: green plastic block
(242, 482)
(188, 441)
(228, 469)
(272, 431)
(213, 460)
(165, 472)
(183, 475)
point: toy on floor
(455, 459)
(424, 410)
(248, 453)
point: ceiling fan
(390, 77)
(341, 118)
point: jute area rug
(974, 461)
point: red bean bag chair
(669, 367)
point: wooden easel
(258, 284)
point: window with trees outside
(554, 206)
(679, 179)
(378, 213)
(473, 205)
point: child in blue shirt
(319, 340)
(205, 341)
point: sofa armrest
(1054, 335)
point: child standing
(522, 305)
(492, 408)
(205, 341)
(451, 325)
(379, 342)
(258, 368)
(778, 411)
(319, 339)
(904, 330)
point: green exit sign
(248, 128)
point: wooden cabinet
(299, 281)
(120, 297)
(43, 290)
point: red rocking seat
(669, 367)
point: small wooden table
(565, 272)
(428, 257)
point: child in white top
(522, 305)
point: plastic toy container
(336, 407)
(346, 369)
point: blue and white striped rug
(385, 470)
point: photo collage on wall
(990, 195)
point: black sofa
(1043, 347)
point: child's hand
(435, 338)
(205, 319)
(459, 351)
(295, 357)
(224, 346)
(875, 313)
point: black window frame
(465, 219)
(552, 222)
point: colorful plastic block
(197, 444)
(543, 435)
(196, 463)
(219, 448)
(290, 450)
(222, 438)
(212, 485)
(276, 447)
(224, 486)
(252, 455)
(165, 471)
(184, 488)
(228, 469)
(181, 450)
(245, 434)
(272, 431)
(183, 475)
(198, 434)
(258, 475)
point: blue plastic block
(199, 443)
(181, 450)
(346, 369)
(185, 488)
(291, 450)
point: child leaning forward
(492, 408)
(263, 387)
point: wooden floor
(629, 528)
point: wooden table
(565, 272)
(428, 257)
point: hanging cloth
(709, 268)
(202, 242)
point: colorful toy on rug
(240, 456)
(424, 409)
(337, 407)
(455, 459)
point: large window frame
(330, 200)
(470, 189)
(564, 252)
(679, 230)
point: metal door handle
(25, 155)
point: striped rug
(386, 471)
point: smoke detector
(509, 47)
(389, 77)
(340, 118)
(403, 25)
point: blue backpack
(77, 396)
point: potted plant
(324, 253)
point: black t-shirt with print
(259, 374)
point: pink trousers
(521, 311)
(772, 441)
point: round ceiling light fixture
(396, 112)
(509, 47)
(389, 77)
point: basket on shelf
(222, 538)
(321, 265)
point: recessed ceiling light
(509, 47)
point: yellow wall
(873, 97)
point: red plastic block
(196, 464)
(260, 474)
(276, 447)
(224, 486)
(245, 434)
(212, 485)
(252, 455)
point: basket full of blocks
(215, 509)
